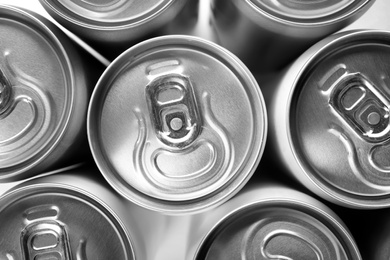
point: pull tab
(362, 106)
(173, 109)
(45, 240)
(5, 93)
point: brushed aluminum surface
(199, 140)
(332, 108)
(65, 216)
(43, 85)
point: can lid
(109, 13)
(177, 122)
(36, 91)
(277, 230)
(339, 118)
(309, 11)
(42, 222)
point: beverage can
(177, 124)
(64, 216)
(272, 221)
(330, 116)
(44, 91)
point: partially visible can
(112, 26)
(44, 90)
(177, 124)
(268, 34)
(330, 119)
(271, 221)
(65, 216)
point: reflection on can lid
(277, 230)
(310, 11)
(177, 124)
(340, 118)
(36, 91)
(110, 13)
(59, 223)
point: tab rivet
(374, 118)
(176, 124)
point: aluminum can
(268, 34)
(44, 91)
(64, 216)
(112, 26)
(329, 115)
(272, 221)
(177, 124)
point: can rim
(174, 207)
(311, 57)
(89, 23)
(21, 190)
(331, 222)
(59, 132)
(312, 22)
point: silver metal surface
(65, 216)
(270, 34)
(177, 237)
(331, 116)
(136, 107)
(113, 26)
(43, 83)
(269, 221)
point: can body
(271, 221)
(111, 27)
(45, 87)
(66, 216)
(179, 128)
(270, 34)
(329, 114)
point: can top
(59, 222)
(309, 11)
(278, 230)
(109, 13)
(340, 118)
(36, 91)
(177, 123)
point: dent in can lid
(340, 125)
(59, 223)
(36, 91)
(310, 11)
(278, 230)
(110, 13)
(177, 124)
